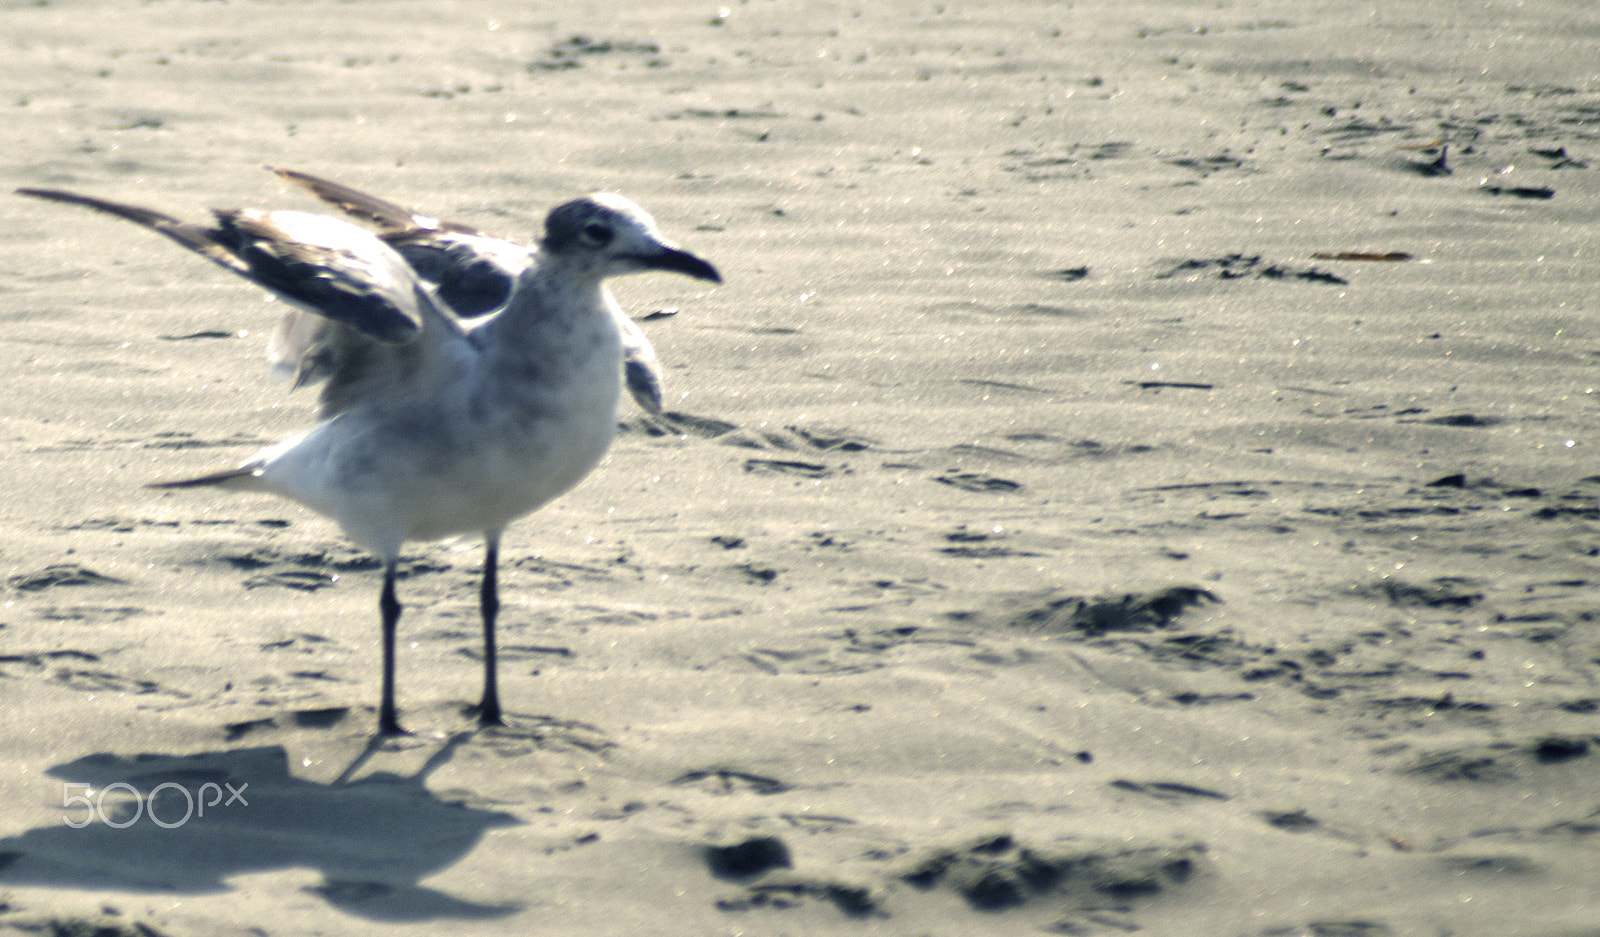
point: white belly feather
(468, 453)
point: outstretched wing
(359, 308)
(387, 215)
(473, 272)
(326, 267)
(320, 264)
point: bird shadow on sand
(185, 824)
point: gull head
(607, 235)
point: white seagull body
(431, 427)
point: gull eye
(595, 234)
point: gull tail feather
(237, 478)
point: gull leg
(389, 607)
(489, 604)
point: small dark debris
(703, 427)
(749, 858)
(234, 731)
(1559, 158)
(1522, 191)
(962, 535)
(787, 467)
(1354, 927)
(973, 481)
(1464, 420)
(1380, 257)
(761, 574)
(1314, 275)
(303, 580)
(38, 659)
(827, 441)
(208, 333)
(1293, 821)
(566, 54)
(728, 780)
(320, 718)
(783, 891)
(1129, 612)
(996, 879)
(1192, 699)
(1459, 766)
(1138, 886)
(1180, 385)
(1438, 594)
(993, 845)
(1240, 266)
(853, 900)
(1582, 512)
(995, 890)
(1435, 167)
(1556, 749)
(1168, 790)
(61, 574)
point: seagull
(431, 427)
(473, 272)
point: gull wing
(473, 272)
(387, 215)
(326, 267)
(319, 264)
(359, 308)
(641, 371)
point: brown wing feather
(200, 239)
(340, 283)
(389, 215)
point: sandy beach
(1136, 476)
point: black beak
(679, 261)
